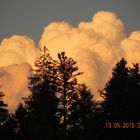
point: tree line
(60, 108)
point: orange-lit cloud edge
(96, 46)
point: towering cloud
(17, 55)
(14, 83)
(95, 45)
(17, 50)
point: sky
(29, 17)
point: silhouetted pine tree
(6, 125)
(22, 120)
(9, 128)
(122, 94)
(133, 100)
(67, 90)
(41, 104)
(3, 110)
(115, 94)
(85, 114)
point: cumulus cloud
(16, 50)
(14, 83)
(17, 56)
(131, 47)
(106, 24)
(96, 46)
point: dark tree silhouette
(3, 110)
(84, 114)
(115, 94)
(122, 94)
(133, 100)
(22, 120)
(55, 93)
(9, 128)
(67, 89)
(41, 104)
(6, 123)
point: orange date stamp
(122, 125)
